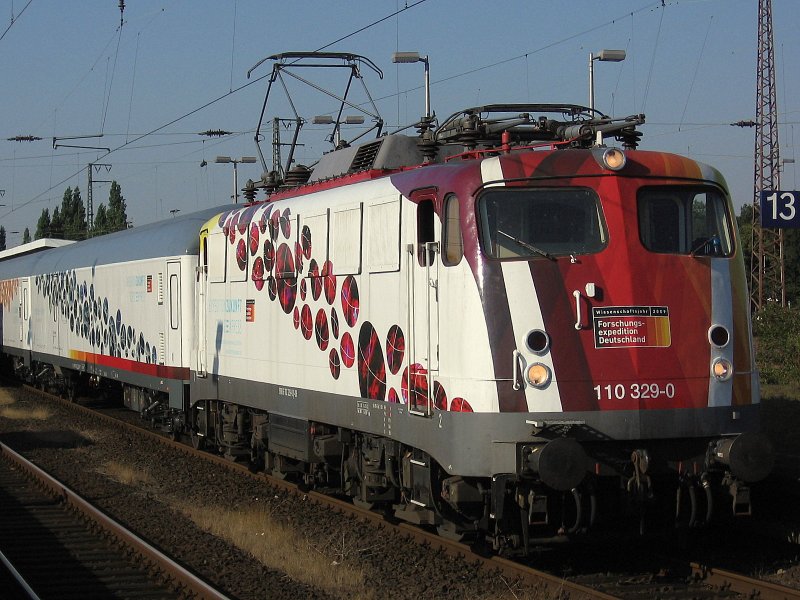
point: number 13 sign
(780, 209)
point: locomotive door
(174, 341)
(423, 302)
(200, 304)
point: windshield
(524, 223)
(684, 220)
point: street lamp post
(603, 56)
(412, 57)
(235, 161)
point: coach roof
(178, 236)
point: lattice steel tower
(766, 262)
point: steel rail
(553, 585)
(186, 579)
(17, 576)
(749, 587)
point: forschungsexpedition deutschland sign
(631, 326)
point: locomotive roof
(177, 236)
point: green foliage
(777, 333)
(26, 236)
(2, 238)
(43, 225)
(113, 218)
(100, 221)
(74, 214)
(791, 254)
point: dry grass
(255, 531)
(21, 414)
(5, 398)
(125, 474)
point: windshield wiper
(716, 249)
(528, 246)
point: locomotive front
(615, 280)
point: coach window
(453, 241)
(425, 232)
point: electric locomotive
(501, 327)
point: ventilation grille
(365, 157)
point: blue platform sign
(780, 209)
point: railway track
(678, 581)
(60, 546)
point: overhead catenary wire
(14, 20)
(653, 58)
(199, 108)
(696, 69)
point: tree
(2, 238)
(57, 224)
(72, 218)
(791, 254)
(43, 225)
(101, 226)
(76, 225)
(26, 236)
(117, 213)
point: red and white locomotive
(502, 327)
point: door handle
(578, 319)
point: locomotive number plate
(635, 391)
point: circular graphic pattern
(414, 386)
(298, 256)
(460, 405)
(274, 225)
(348, 350)
(371, 366)
(244, 221)
(287, 285)
(392, 396)
(254, 237)
(439, 396)
(321, 329)
(241, 255)
(305, 238)
(334, 323)
(232, 227)
(272, 287)
(350, 300)
(395, 349)
(262, 222)
(269, 256)
(330, 283)
(333, 362)
(303, 289)
(286, 223)
(258, 273)
(306, 323)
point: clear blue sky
(66, 70)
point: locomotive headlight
(613, 159)
(722, 369)
(538, 375)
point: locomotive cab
(626, 294)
